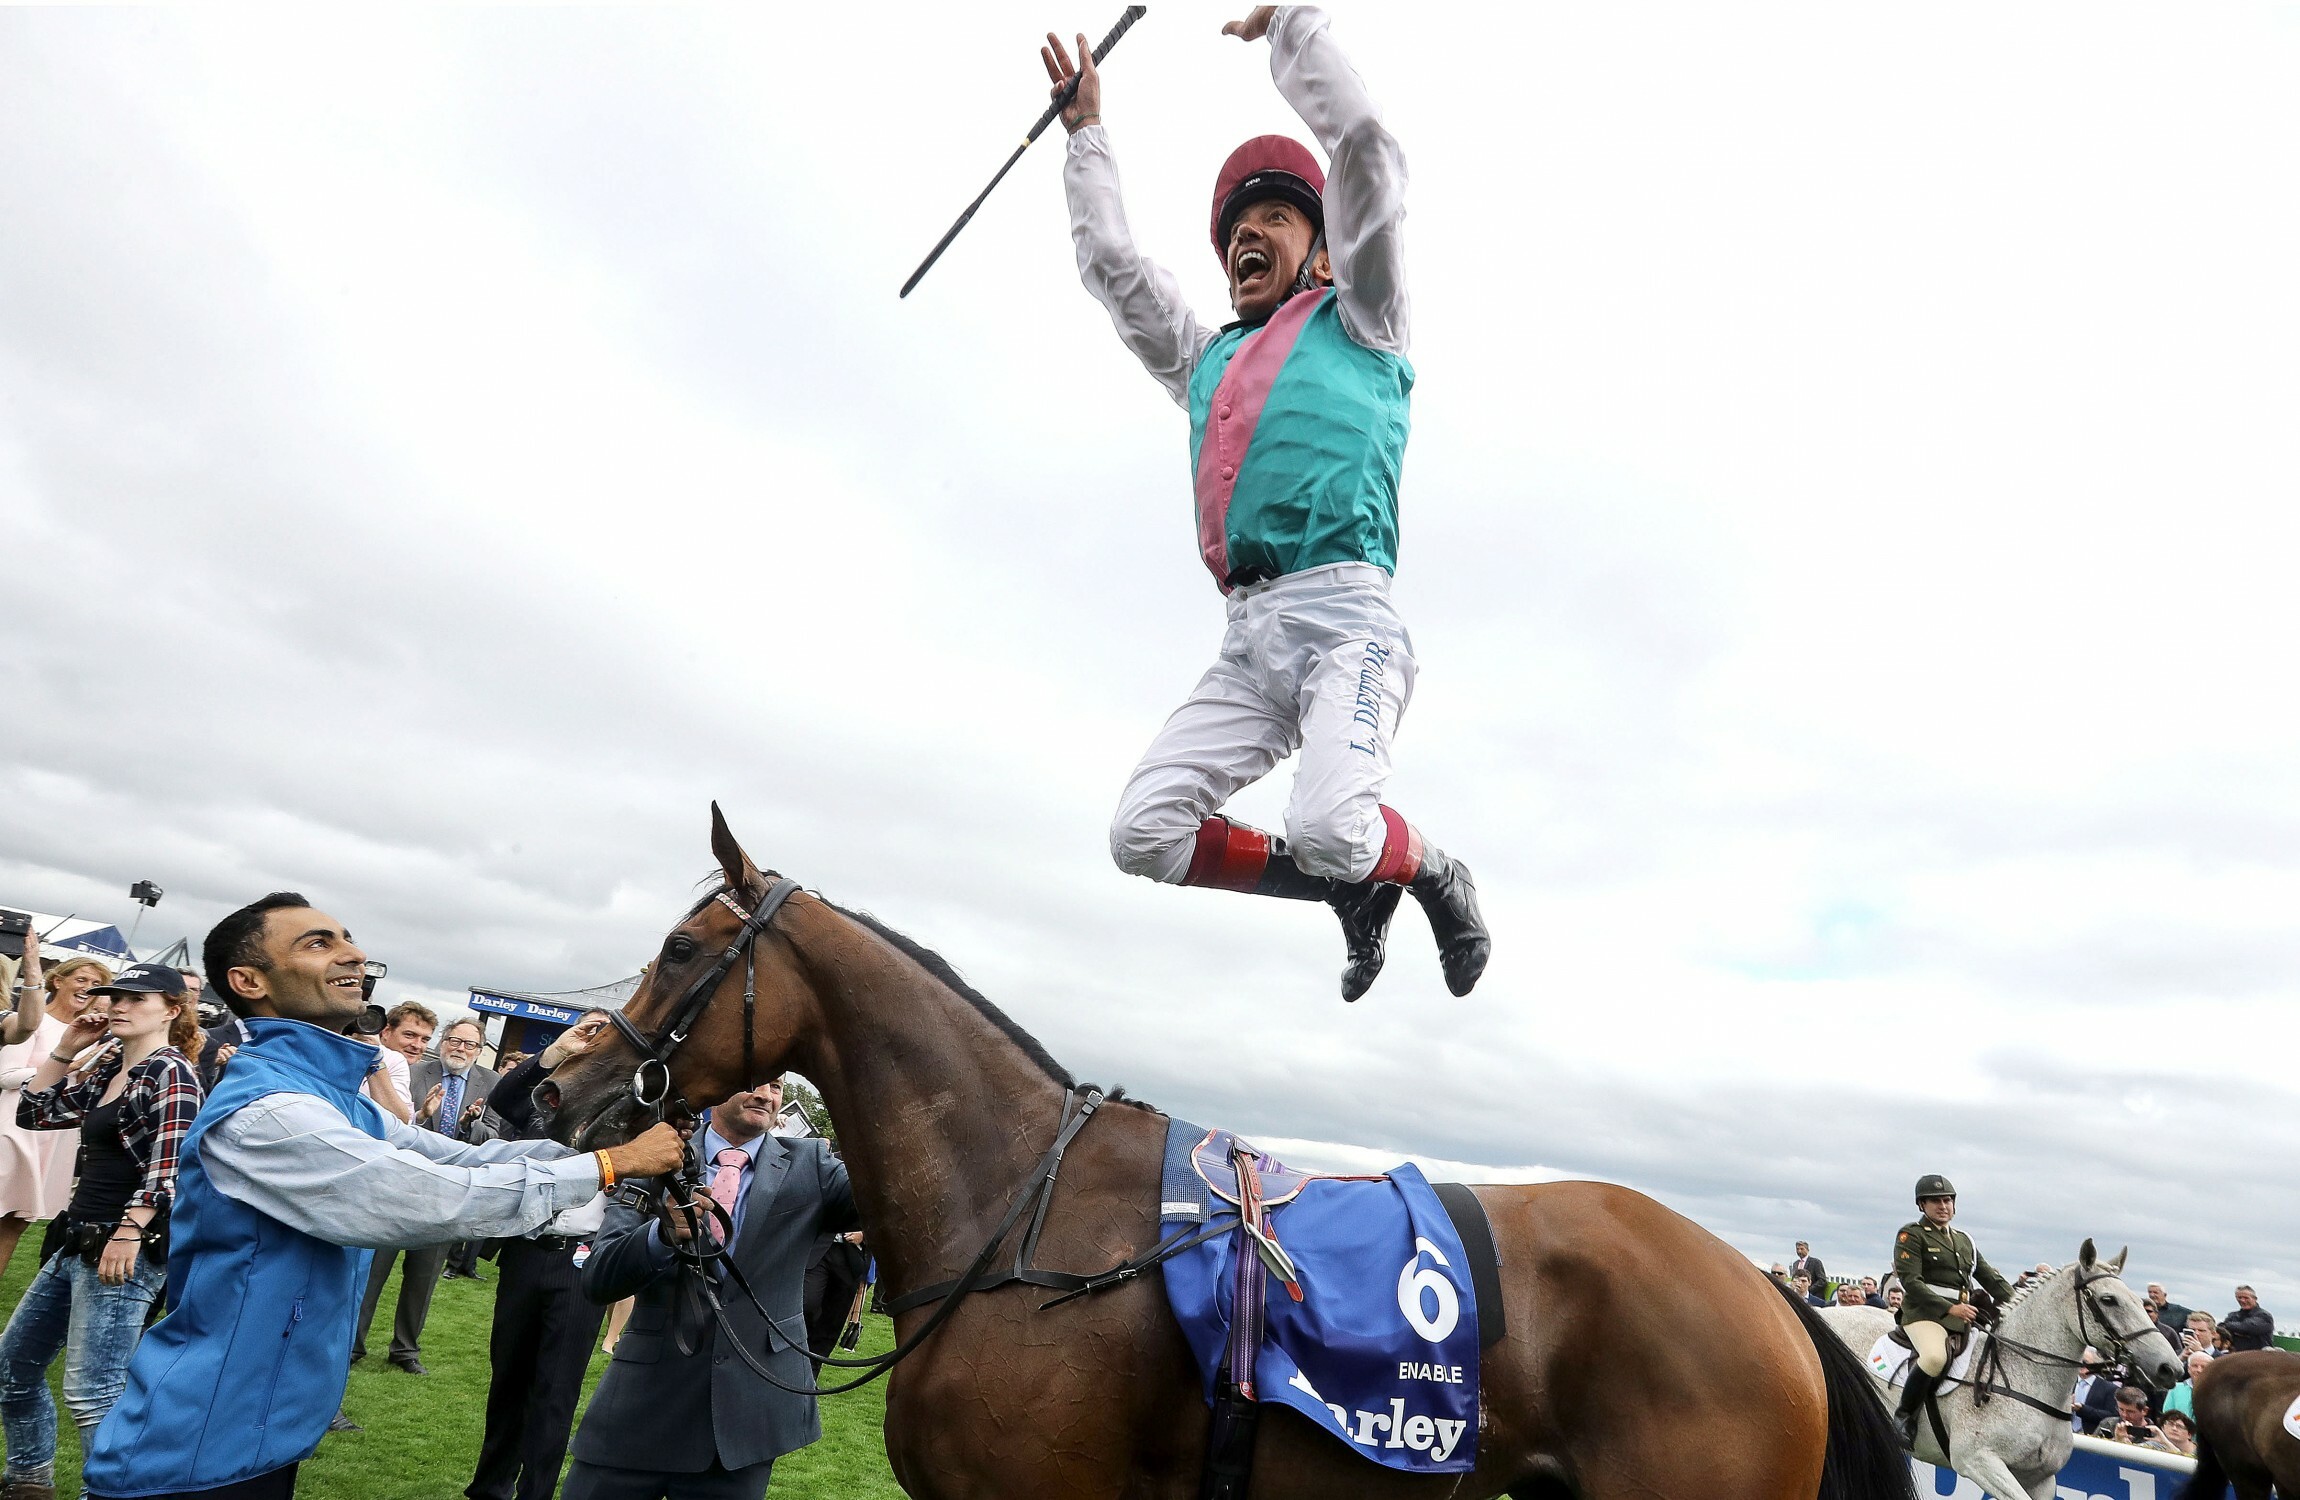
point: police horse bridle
(706, 1256)
(1990, 1378)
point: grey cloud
(489, 746)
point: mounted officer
(1938, 1267)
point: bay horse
(2242, 1438)
(1644, 1358)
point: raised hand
(28, 973)
(1085, 107)
(574, 1041)
(83, 1032)
(1254, 27)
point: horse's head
(2112, 1318)
(680, 1043)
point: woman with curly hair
(36, 1166)
(132, 1103)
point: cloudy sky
(1848, 541)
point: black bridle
(2111, 1343)
(655, 1052)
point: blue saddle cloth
(1382, 1349)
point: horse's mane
(2022, 1294)
(940, 970)
(939, 967)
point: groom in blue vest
(288, 1177)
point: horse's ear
(741, 874)
(2116, 1266)
(2085, 1256)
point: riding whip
(1061, 102)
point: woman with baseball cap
(1298, 419)
(132, 1107)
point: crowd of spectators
(102, 1078)
(2106, 1406)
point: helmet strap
(1303, 280)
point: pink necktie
(727, 1181)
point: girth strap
(1469, 1221)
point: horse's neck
(2044, 1319)
(941, 1116)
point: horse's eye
(679, 949)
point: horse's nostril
(547, 1095)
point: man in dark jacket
(540, 1342)
(703, 1426)
(2250, 1326)
(1810, 1264)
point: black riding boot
(1232, 856)
(1365, 910)
(1449, 898)
(1913, 1397)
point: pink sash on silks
(1237, 410)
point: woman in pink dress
(36, 1165)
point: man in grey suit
(450, 1096)
(667, 1426)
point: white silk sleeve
(1142, 297)
(1365, 197)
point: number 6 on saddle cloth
(1360, 1302)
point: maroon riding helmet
(1268, 166)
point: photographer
(133, 1109)
(287, 1173)
(2130, 1424)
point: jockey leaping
(1298, 419)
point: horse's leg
(1988, 1471)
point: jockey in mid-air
(1298, 418)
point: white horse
(2008, 1421)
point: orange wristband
(606, 1171)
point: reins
(1991, 1365)
(706, 1254)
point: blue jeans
(96, 1326)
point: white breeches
(1316, 661)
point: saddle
(1272, 1181)
(1218, 1190)
(1254, 1183)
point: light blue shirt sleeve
(296, 1158)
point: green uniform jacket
(1925, 1257)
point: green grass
(423, 1432)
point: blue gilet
(242, 1374)
(1297, 440)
